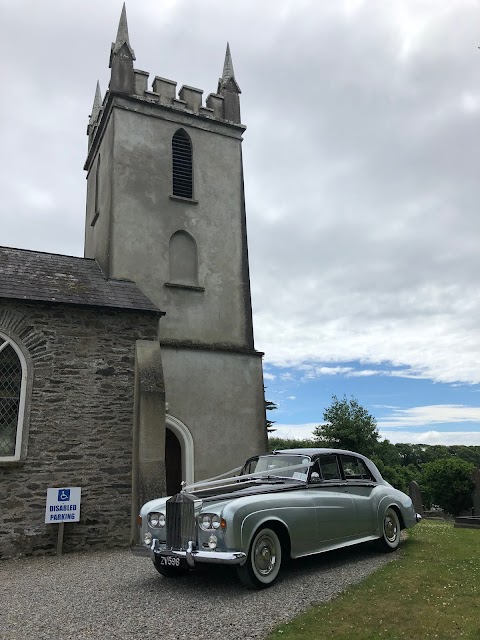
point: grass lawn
(431, 591)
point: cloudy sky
(362, 167)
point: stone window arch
(182, 165)
(13, 387)
(183, 260)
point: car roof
(318, 451)
(314, 452)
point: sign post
(63, 505)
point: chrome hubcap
(264, 555)
(390, 528)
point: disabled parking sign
(63, 504)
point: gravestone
(476, 493)
(416, 496)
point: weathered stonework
(81, 417)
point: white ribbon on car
(229, 477)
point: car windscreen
(283, 466)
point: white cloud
(294, 431)
(292, 398)
(384, 406)
(268, 376)
(314, 371)
(431, 414)
(364, 373)
(467, 438)
(362, 196)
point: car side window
(329, 467)
(249, 466)
(355, 469)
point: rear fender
(383, 505)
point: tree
(275, 443)
(400, 477)
(411, 454)
(269, 406)
(348, 426)
(388, 454)
(469, 454)
(449, 483)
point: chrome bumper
(192, 556)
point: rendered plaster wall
(144, 217)
(97, 223)
(225, 411)
(81, 417)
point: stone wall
(80, 423)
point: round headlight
(147, 538)
(161, 520)
(215, 521)
(212, 542)
(153, 519)
(205, 521)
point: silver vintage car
(285, 504)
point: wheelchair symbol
(63, 495)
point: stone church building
(132, 369)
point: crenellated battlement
(223, 105)
(189, 98)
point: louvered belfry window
(10, 394)
(182, 165)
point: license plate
(170, 561)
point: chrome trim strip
(192, 556)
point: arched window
(183, 259)
(182, 165)
(12, 399)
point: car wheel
(168, 571)
(391, 531)
(263, 560)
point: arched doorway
(173, 462)
(179, 455)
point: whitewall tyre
(263, 560)
(390, 531)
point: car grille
(180, 521)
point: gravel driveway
(114, 595)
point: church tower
(166, 209)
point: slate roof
(49, 277)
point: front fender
(153, 505)
(295, 511)
(252, 522)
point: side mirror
(315, 478)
